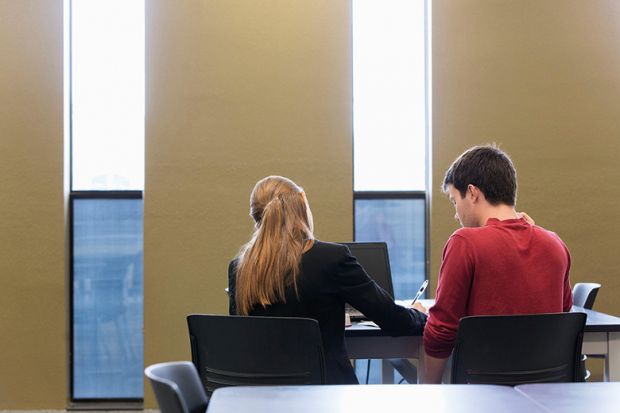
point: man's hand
(526, 217)
(418, 306)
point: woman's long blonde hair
(270, 261)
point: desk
(602, 338)
(371, 399)
(574, 397)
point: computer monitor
(374, 258)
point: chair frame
(479, 356)
(260, 350)
(592, 291)
(183, 395)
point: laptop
(373, 256)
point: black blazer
(331, 276)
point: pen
(420, 291)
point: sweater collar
(495, 221)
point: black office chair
(237, 350)
(518, 349)
(177, 387)
(584, 294)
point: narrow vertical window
(107, 94)
(391, 129)
(106, 89)
(390, 133)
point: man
(498, 263)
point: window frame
(387, 195)
(425, 194)
(89, 403)
(72, 196)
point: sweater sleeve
(453, 288)
(374, 302)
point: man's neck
(501, 212)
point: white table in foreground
(601, 338)
(371, 399)
(574, 397)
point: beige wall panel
(542, 79)
(32, 278)
(236, 90)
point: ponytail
(270, 262)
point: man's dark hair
(488, 168)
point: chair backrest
(584, 294)
(239, 350)
(177, 387)
(518, 349)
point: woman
(284, 272)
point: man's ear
(474, 191)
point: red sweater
(504, 267)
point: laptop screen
(373, 256)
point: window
(389, 95)
(107, 295)
(399, 220)
(107, 94)
(390, 128)
(106, 91)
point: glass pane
(107, 298)
(107, 94)
(373, 371)
(399, 223)
(389, 95)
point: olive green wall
(32, 272)
(542, 79)
(236, 90)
